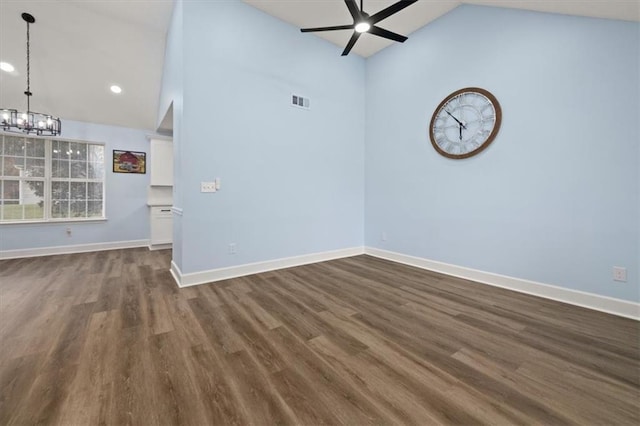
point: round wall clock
(465, 123)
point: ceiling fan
(363, 23)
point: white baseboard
(176, 273)
(78, 248)
(164, 246)
(195, 278)
(606, 304)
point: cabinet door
(161, 226)
(161, 163)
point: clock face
(465, 123)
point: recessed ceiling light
(6, 67)
(116, 89)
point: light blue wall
(555, 198)
(126, 198)
(172, 93)
(292, 180)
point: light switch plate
(207, 187)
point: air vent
(300, 102)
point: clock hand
(458, 121)
(460, 131)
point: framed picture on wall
(129, 162)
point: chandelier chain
(28, 70)
(14, 120)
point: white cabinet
(161, 162)
(161, 225)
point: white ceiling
(78, 50)
(322, 13)
(81, 47)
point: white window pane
(78, 151)
(94, 209)
(60, 168)
(71, 165)
(34, 167)
(10, 189)
(13, 146)
(96, 170)
(94, 191)
(59, 209)
(78, 169)
(32, 197)
(96, 153)
(23, 200)
(34, 148)
(78, 208)
(13, 166)
(58, 150)
(60, 190)
(12, 210)
(78, 191)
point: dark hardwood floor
(108, 338)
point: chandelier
(29, 121)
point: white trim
(78, 248)
(163, 246)
(203, 277)
(596, 302)
(46, 137)
(176, 273)
(159, 137)
(54, 221)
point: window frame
(48, 180)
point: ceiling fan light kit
(364, 23)
(29, 121)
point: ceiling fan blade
(339, 27)
(353, 10)
(352, 41)
(381, 32)
(385, 13)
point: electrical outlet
(207, 187)
(383, 236)
(233, 248)
(620, 274)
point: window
(50, 179)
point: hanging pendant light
(28, 121)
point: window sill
(53, 221)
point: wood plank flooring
(108, 338)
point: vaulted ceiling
(80, 48)
(320, 13)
